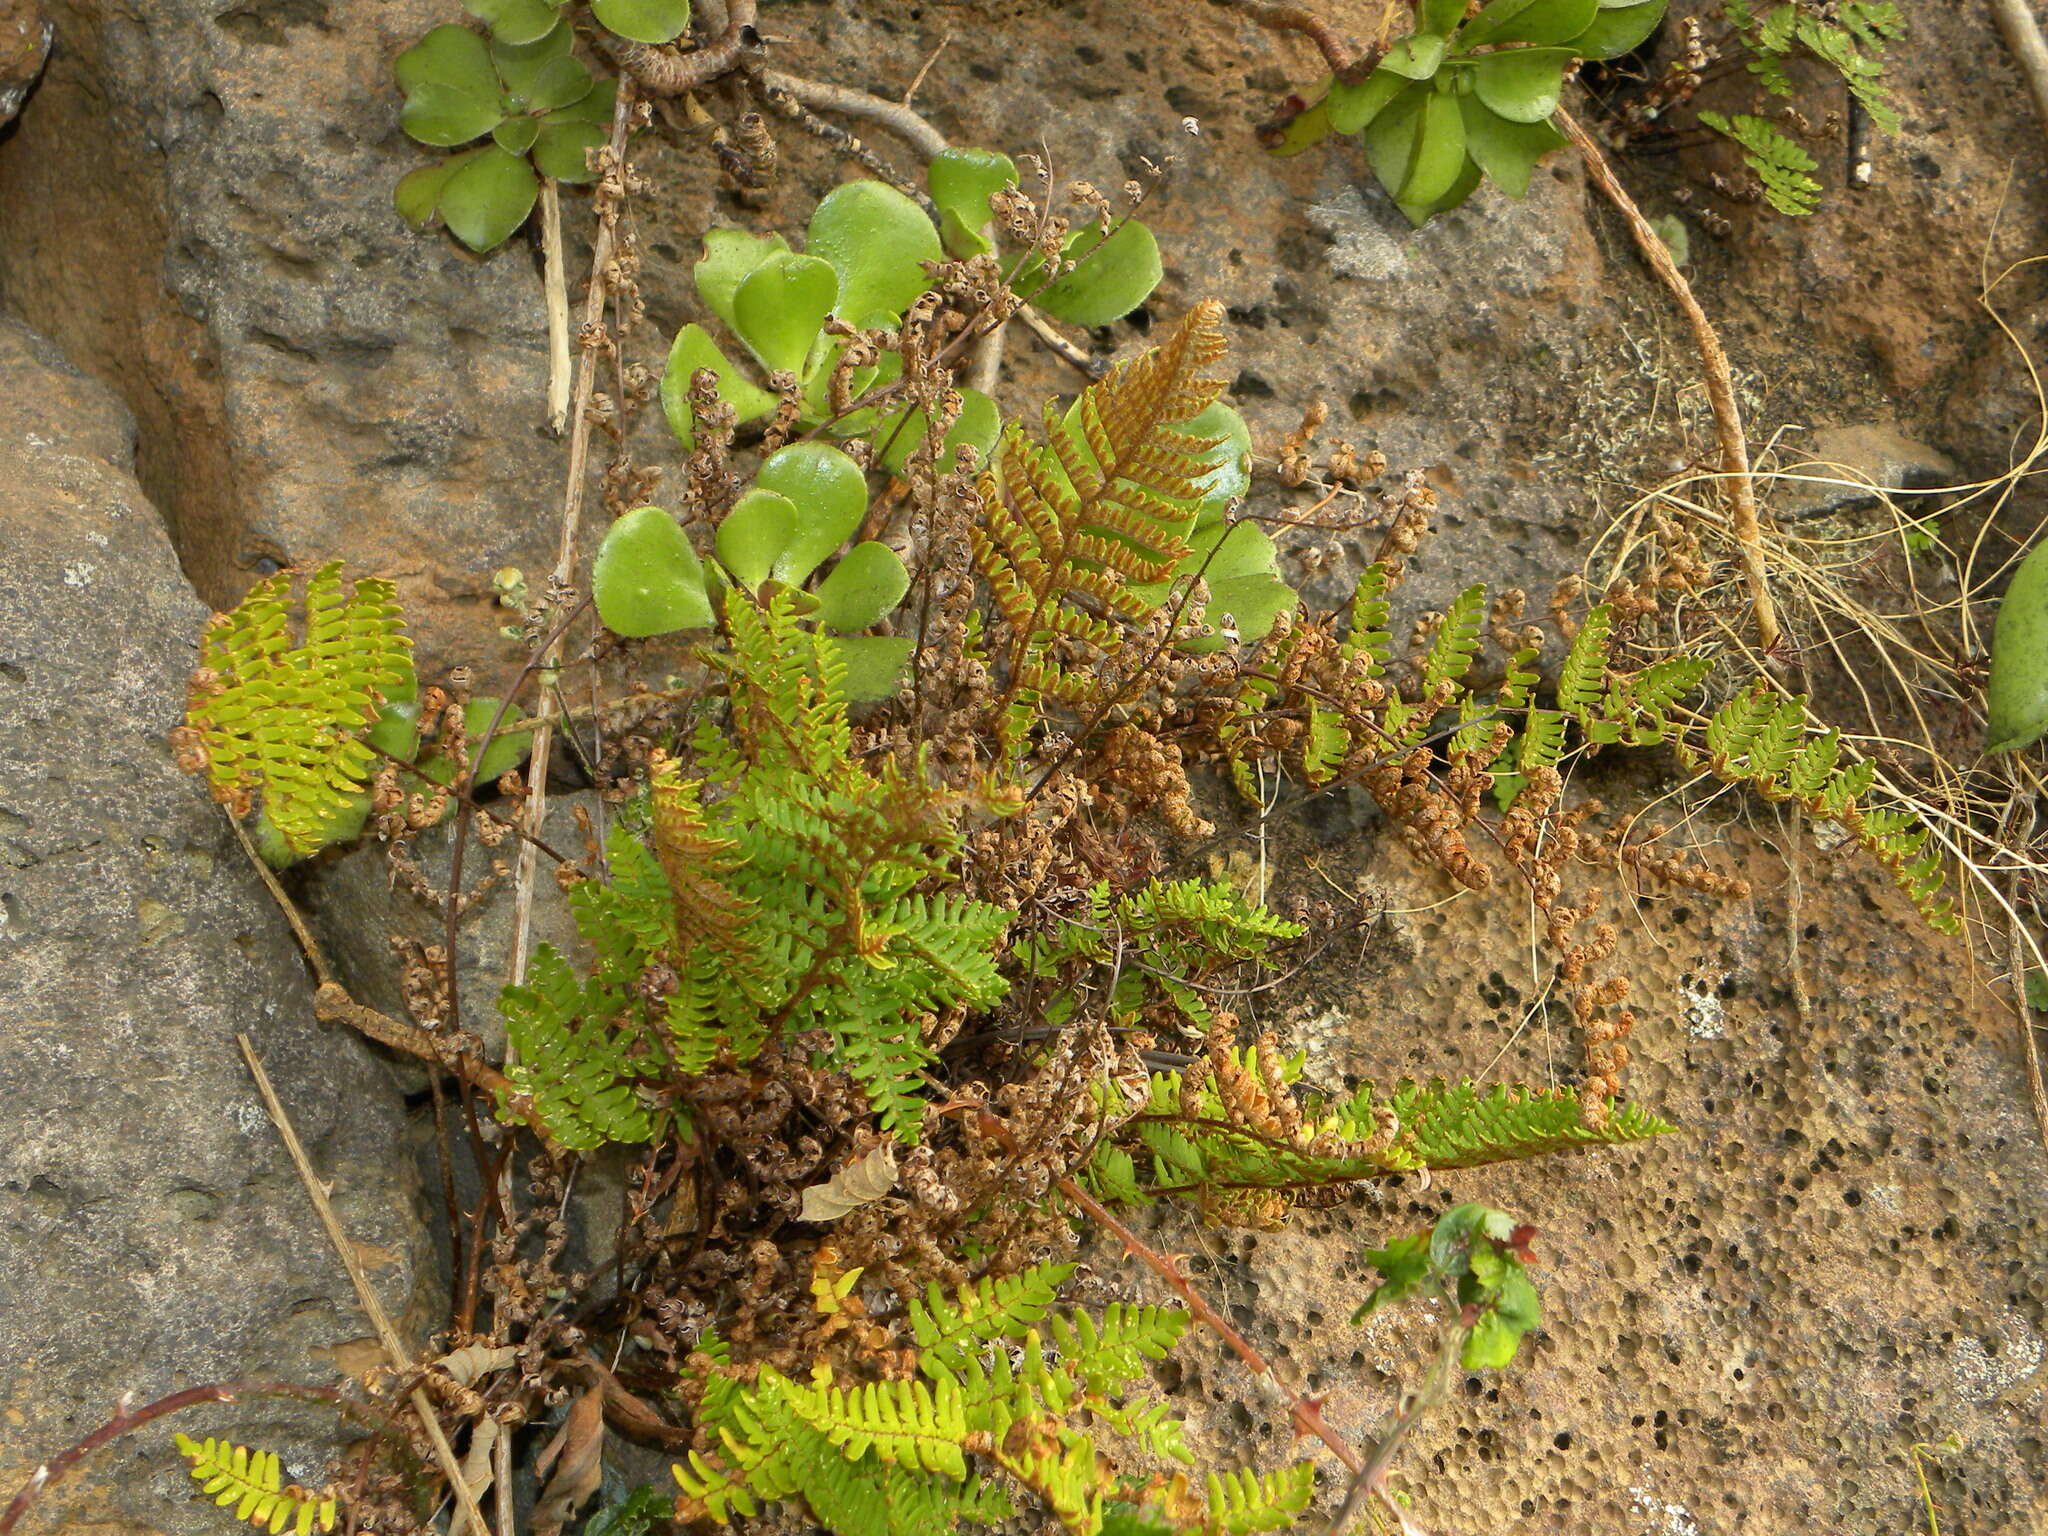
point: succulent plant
(540, 105)
(638, 21)
(805, 502)
(1462, 99)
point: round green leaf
(694, 349)
(1522, 84)
(754, 535)
(866, 585)
(508, 748)
(877, 241)
(1354, 106)
(2016, 695)
(643, 21)
(1391, 136)
(830, 495)
(1114, 277)
(1244, 580)
(516, 21)
(562, 149)
(515, 135)
(449, 56)
(397, 730)
(441, 115)
(543, 76)
(1440, 15)
(1505, 151)
(1614, 32)
(1415, 57)
(594, 107)
(1527, 21)
(899, 435)
(418, 196)
(1306, 129)
(780, 308)
(730, 258)
(1467, 182)
(647, 580)
(489, 198)
(962, 181)
(1231, 457)
(873, 663)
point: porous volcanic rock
(153, 1234)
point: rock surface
(153, 1234)
(24, 44)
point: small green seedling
(807, 500)
(542, 109)
(1476, 1259)
(2016, 696)
(1463, 99)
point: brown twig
(1740, 486)
(1342, 57)
(664, 72)
(380, 1321)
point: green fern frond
(1784, 169)
(905, 1423)
(1581, 680)
(1244, 1502)
(253, 1482)
(268, 718)
(948, 1330)
(569, 1061)
(1457, 639)
(1446, 1125)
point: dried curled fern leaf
(253, 1482)
(1104, 506)
(283, 721)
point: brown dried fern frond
(1078, 525)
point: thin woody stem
(1735, 474)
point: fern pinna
(1079, 525)
(782, 895)
(282, 724)
(1237, 1135)
(252, 1482)
(1008, 1396)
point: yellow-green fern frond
(253, 1483)
(283, 721)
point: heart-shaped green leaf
(1523, 84)
(1114, 277)
(2016, 695)
(753, 536)
(873, 663)
(1417, 145)
(863, 588)
(443, 116)
(507, 749)
(901, 434)
(1415, 57)
(1505, 151)
(643, 21)
(962, 181)
(449, 56)
(830, 495)
(1306, 129)
(562, 149)
(877, 240)
(515, 135)
(515, 21)
(647, 580)
(418, 196)
(397, 730)
(780, 308)
(694, 349)
(1354, 106)
(1527, 21)
(1614, 32)
(489, 198)
(1241, 567)
(1467, 182)
(730, 258)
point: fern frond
(253, 1483)
(1581, 680)
(569, 1061)
(1243, 1502)
(283, 721)
(1784, 169)
(1445, 1125)
(948, 1330)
